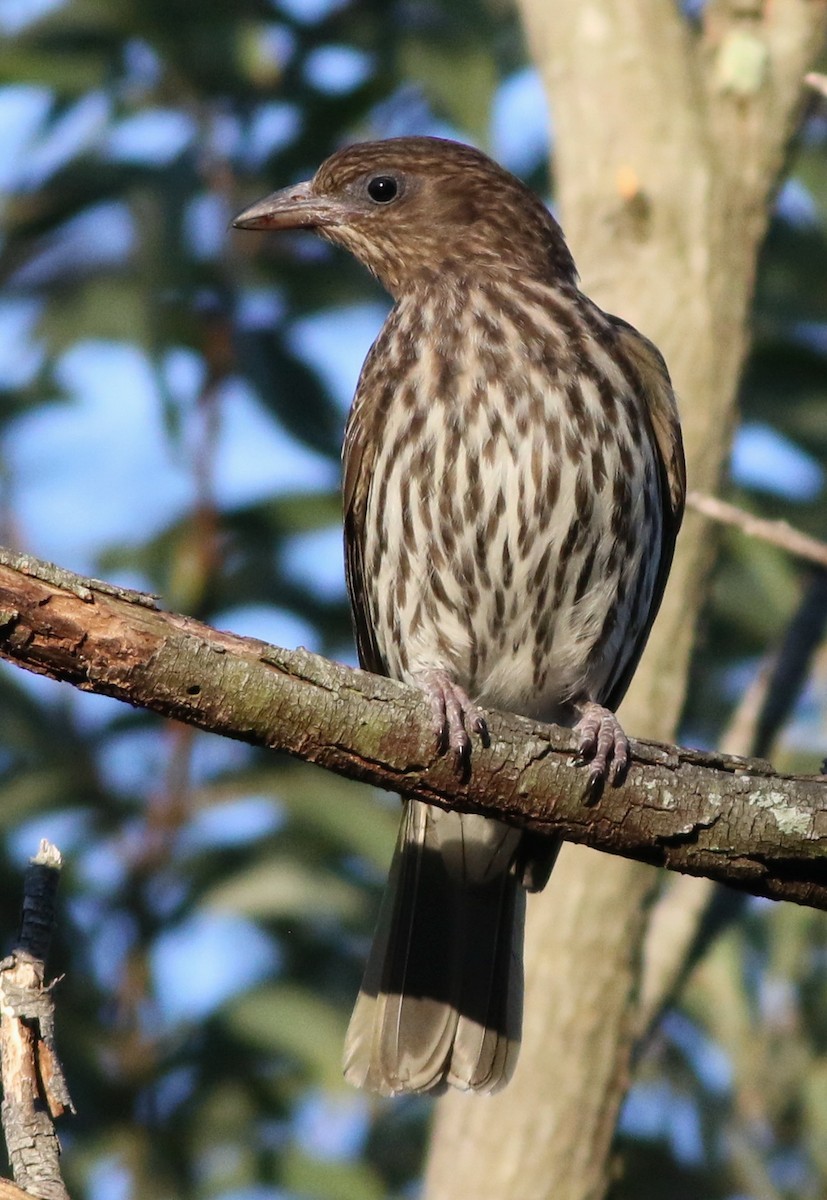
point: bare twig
(680, 927)
(34, 1088)
(682, 909)
(794, 661)
(777, 533)
(10, 1191)
(817, 82)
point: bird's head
(419, 208)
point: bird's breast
(506, 518)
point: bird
(513, 485)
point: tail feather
(441, 1000)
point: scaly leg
(603, 744)
(454, 716)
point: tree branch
(777, 533)
(34, 1088)
(727, 818)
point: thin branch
(728, 818)
(817, 81)
(794, 660)
(682, 909)
(777, 533)
(10, 1191)
(671, 935)
(34, 1088)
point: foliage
(172, 404)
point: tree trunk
(669, 142)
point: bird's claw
(454, 717)
(603, 745)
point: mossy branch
(731, 819)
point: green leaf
(336, 1180)
(296, 1022)
(284, 887)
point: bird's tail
(441, 1001)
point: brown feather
(660, 406)
(513, 487)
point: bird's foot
(454, 716)
(603, 745)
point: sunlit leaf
(279, 887)
(297, 1023)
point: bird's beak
(296, 207)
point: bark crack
(379, 731)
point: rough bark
(728, 818)
(34, 1088)
(669, 142)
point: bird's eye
(382, 189)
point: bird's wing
(662, 409)
(358, 454)
(651, 375)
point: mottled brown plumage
(513, 486)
